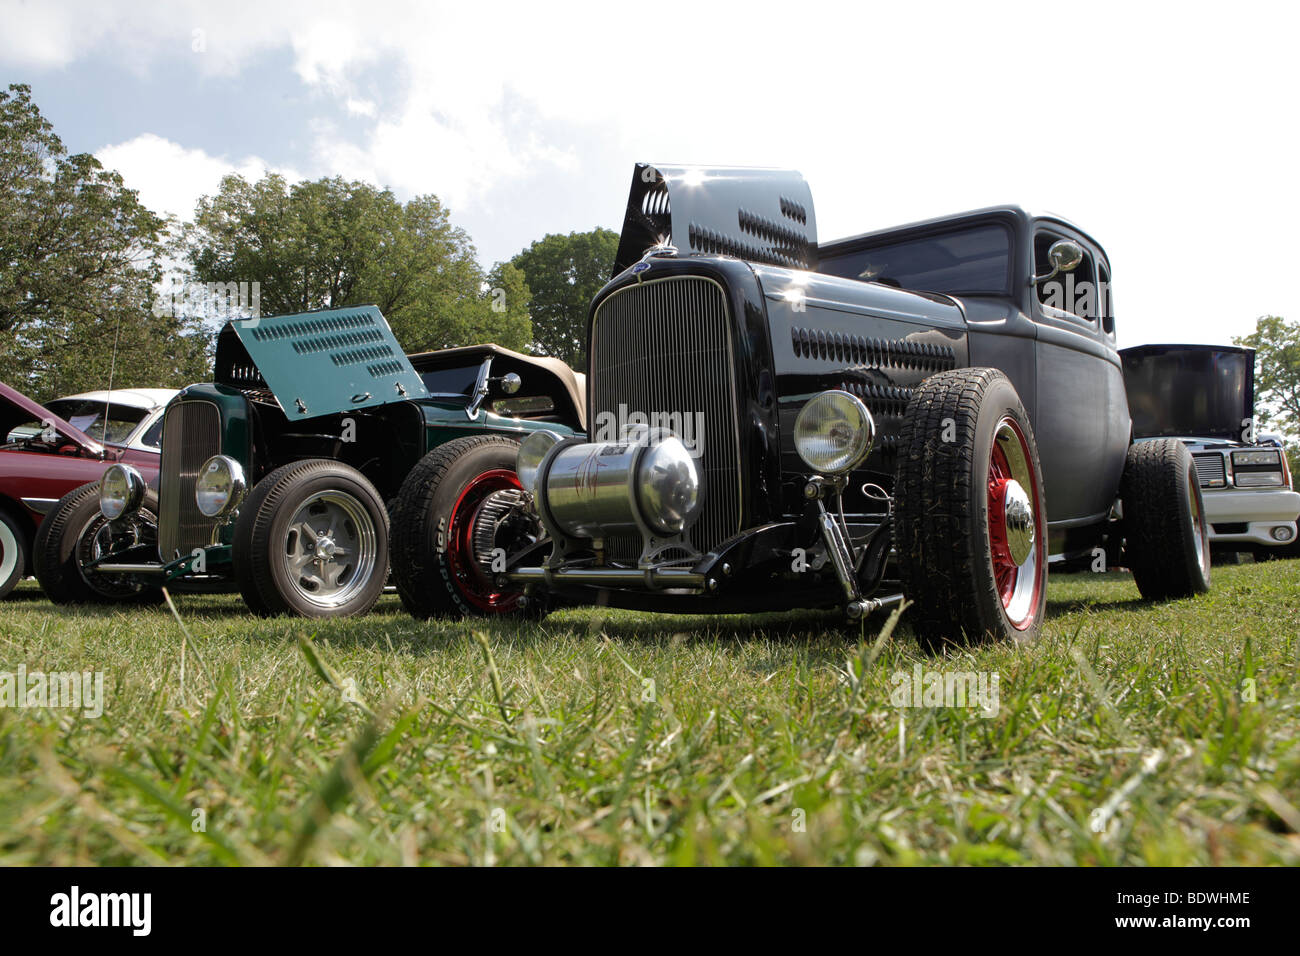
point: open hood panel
(17, 409)
(1190, 391)
(760, 215)
(319, 363)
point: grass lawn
(1131, 733)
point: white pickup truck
(1204, 396)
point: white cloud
(1161, 132)
(170, 178)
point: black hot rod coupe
(278, 477)
(776, 423)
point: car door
(1083, 425)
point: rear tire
(13, 554)
(1166, 539)
(437, 570)
(965, 439)
(73, 533)
(312, 540)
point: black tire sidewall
(57, 544)
(264, 524)
(426, 580)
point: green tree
(564, 274)
(79, 256)
(333, 242)
(1277, 372)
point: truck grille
(1210, 471)
(191, 435)
(663, 348)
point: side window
(1104, 300)
(153, 437)
(1070, 294)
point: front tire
(970, 514)
(1166, 539)
(312, 540)
(75, 533)
(456, 506)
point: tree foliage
(79, 256)
(332, 242)
(1277, 372)
(564, 274)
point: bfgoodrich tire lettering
(964, 435)
(1166, 541)
(312, 540)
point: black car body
(726, 311)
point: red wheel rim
(1019, 584)
(477, 586)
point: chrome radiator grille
(1210, 471)
(663, 348)
(191, 435)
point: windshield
(89, 417)
(451, 382)
(971, 261)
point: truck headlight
(121, 490)
(834, 432)
(220, 486)
(1249, 458)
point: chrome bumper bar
(657, 578)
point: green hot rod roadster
(317, 440)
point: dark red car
(43, 456)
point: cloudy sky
(1167, 131)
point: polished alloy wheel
(330, 549)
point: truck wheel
(312, 540)
(1166, 540)
(455, 508)
(969, 511)
(75, 533)
(13, 554)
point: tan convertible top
(571, 386)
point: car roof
(149, 398)
(983, 212)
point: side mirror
(510, 383)
(1064, 256)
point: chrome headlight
(121, 490)
(531, 452)
(220, 486)
(834, 432)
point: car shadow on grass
(1056, 608)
